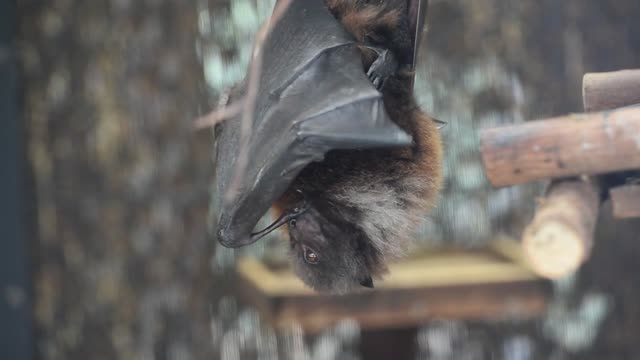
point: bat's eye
(310, 256)
(292, 222)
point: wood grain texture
(560, 236)
(610, 90)
(626, 201)
(565, 146)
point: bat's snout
(229, 236)
(230, 240)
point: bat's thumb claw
(439, 123)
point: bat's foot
(383, 67)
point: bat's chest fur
(384, 192)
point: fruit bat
(339, 149)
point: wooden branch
(250, 99)
(604, 91)
(560, 237)
(626, 201)
(244, 106)
(219, 115)
(566, 146)
(610, 90)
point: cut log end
(554, 249)
(560, 236)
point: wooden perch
(626, 201)
(610, 90)
(443, 284)
(560, 237)
(566, 146)
(604, 91)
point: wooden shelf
(453, 284)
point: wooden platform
(447, 284)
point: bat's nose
(230, 240)
(229, 236)
(224, 239)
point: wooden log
(610, 90)
(626, 201)
(560, 237)
(561, 147)
(604, 91)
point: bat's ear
(367, 282)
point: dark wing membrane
(314, 96)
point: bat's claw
(376, 79)
(377, 82)
(383, 67)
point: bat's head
(330, 254)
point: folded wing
(314, 96)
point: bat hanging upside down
(353, 208)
